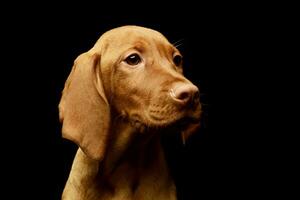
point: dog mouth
(179, 123)
(156, 119)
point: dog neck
(134, 163)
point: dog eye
(177, 60)
(133, 59)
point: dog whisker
(178, 41)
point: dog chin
(139, 126)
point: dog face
(143, 75)
(132, 72)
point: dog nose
(185, 93)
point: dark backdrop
(220, 48)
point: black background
(223, 47)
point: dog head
(133, 72)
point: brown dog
(119, 98)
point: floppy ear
(83, 108)
(190, 130)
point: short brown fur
(116, 113)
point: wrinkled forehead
(121, 39)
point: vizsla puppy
(119, 98)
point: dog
(119, 98)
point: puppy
(120, 97)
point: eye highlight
(133, 59)
(177, 59)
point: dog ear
(84, 109)
(190, 130)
